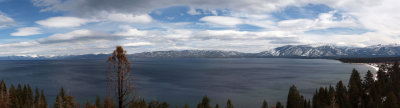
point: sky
(74, 27)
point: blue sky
(72, 27)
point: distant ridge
(298, 51)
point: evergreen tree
(108, 103)
(14, 101)
(265, 104)
(43, 102)
(37, 98)
(3, 95)
(355, 89)
(342, 96)
(64, 100)
(368, 81)
(278, 105)
(138, 104)
(29, 96)
(332, 97)
(216, 106)
(229, 104)
(294, 99)
(154, 104)
(87, 105)
(164, 105)
(205, 103)
(187, 106)
(98, 102)
(367, 85)
(391, 101)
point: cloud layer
(96, 26)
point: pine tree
(391, 101)
(43, 102)
(367, 85)
(342, 96)
(3, 95)
(278, 105)
(29, 96)
(13, 94)
(368, 81)
(229, 104)
(164, 105)
(294, 99)
(37, 98)
(87, 105)
(187, 106)
(154, 104)
(108, 103)
(355, 89)
(98, 102)
(332, 97)
(205, 103)
(265, 104)
(58, 102)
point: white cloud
(193, 11)
(73, 36)
(380, 17)
(90, 7)
(63, 22)
(324, 21)
(129, 31)
(5, 20)
(222, 20)
(27, 31)
(138, 44)
(129, 18)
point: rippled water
(246, 81)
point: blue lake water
(246, 81)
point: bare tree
(119, 77)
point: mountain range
(298, 51)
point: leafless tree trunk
(119, 77)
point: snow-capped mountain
(306, 51)
(191, 54)
(334, 51)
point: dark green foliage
(21, 97)
(278, 105)
(342, 97)
(109, 103)
(216, 106)
(64, 100)
(205, 103)
(43, 102)
(187, 106)
(141, 103)
(265, 104)
(368, 81)
(229, 104)
(164, 105)
(294, 100)
(355, 89)
(154, 104)
(99, 104)
(391, 101)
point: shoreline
(374, 66)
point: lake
(246, 81)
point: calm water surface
(246, 81)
